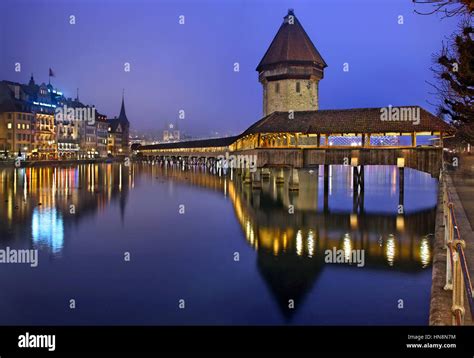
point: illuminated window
(18, 125)
(9, 125)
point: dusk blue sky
(190, 66)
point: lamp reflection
(47, 229)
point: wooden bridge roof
(358, 120)
(337, 121)
(201, 143)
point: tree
(454, 69)
(448, 8)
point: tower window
(277, 87)
(298, 87)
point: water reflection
(47, 229)
(290, 246)
(43, 203)
(39, 206)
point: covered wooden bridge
(324, 137)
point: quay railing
(458, 279)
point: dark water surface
(190, 256)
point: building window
(9, 125)
(277, 87)
(18, 125)
(298, 87)
(9, 116)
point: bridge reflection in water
(289, 244)
(291, 230)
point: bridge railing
(458, 279)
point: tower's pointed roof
(291, 45)
(123, 116)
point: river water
(158, 246)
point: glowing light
(390, 249)
(400, 223)
(354, 220)
(299, 243)
(347, 247)
(276, 246)
(425, 254)
(47, 229)
(44, 104)
(310, 243)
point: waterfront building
(43, 100)
(102, 134)
(45, 144)
(119, 132)
(171, 134)
(34, 125)
(88, 130)
(16, 124)
(38, 122)
(68, 132)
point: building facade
(102, 134)
(119, 134)
(37, 122)
(171, 134)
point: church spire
(123, 115)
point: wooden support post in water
(256, 180)
(256, 198)
(294, 180)
(355, 179)
(246, 177)
(280, 179)
(401, 187)
(326, 187)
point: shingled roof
(358, 120)
(291, 45)
(8, 102)
(201, 143)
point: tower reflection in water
(41, 205)
(291, 244)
